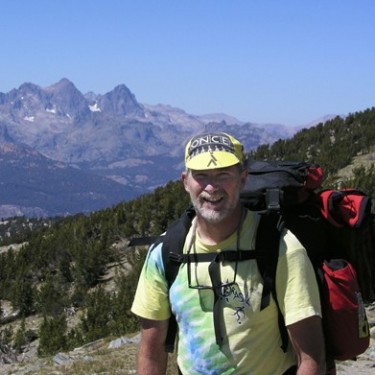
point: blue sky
(264, 61)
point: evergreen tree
(52, 297)
(123, 321)
(74, 338)
(22, 297)
(23, 337)
(96, 323)
(52, 335)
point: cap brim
(207, 160)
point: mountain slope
(34, 185)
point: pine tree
(96, 323)
(20, 339)
(52, 335)
(22, 297)
(52, 297)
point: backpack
(338, 231)
(285, 195)
(342, 218)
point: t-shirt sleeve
(151, 296)
(296, 285)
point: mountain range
(63, 152)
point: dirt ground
(98, 358)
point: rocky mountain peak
(24, 101)
(67, 100)
(121, 101)
(64, 85)
(29, 88)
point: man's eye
(200, 176)
(224, 176)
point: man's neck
(213, 233)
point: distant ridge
(94, 150)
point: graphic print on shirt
(240, 302)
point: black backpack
(285, 195)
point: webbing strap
(268, 240)
(173, 243)
(143, 241)
(214, 271)
(224, 256)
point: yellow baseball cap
(213, 150)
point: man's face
(214, 193)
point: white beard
(213, 216)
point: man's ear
(184, 178)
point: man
(243, 338)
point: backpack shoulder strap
(268, 240)
(173, 244)
(172, 249)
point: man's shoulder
(155, 251)
(158, 242)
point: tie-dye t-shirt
(251, 336)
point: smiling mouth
(212, 200)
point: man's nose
(212, 183)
